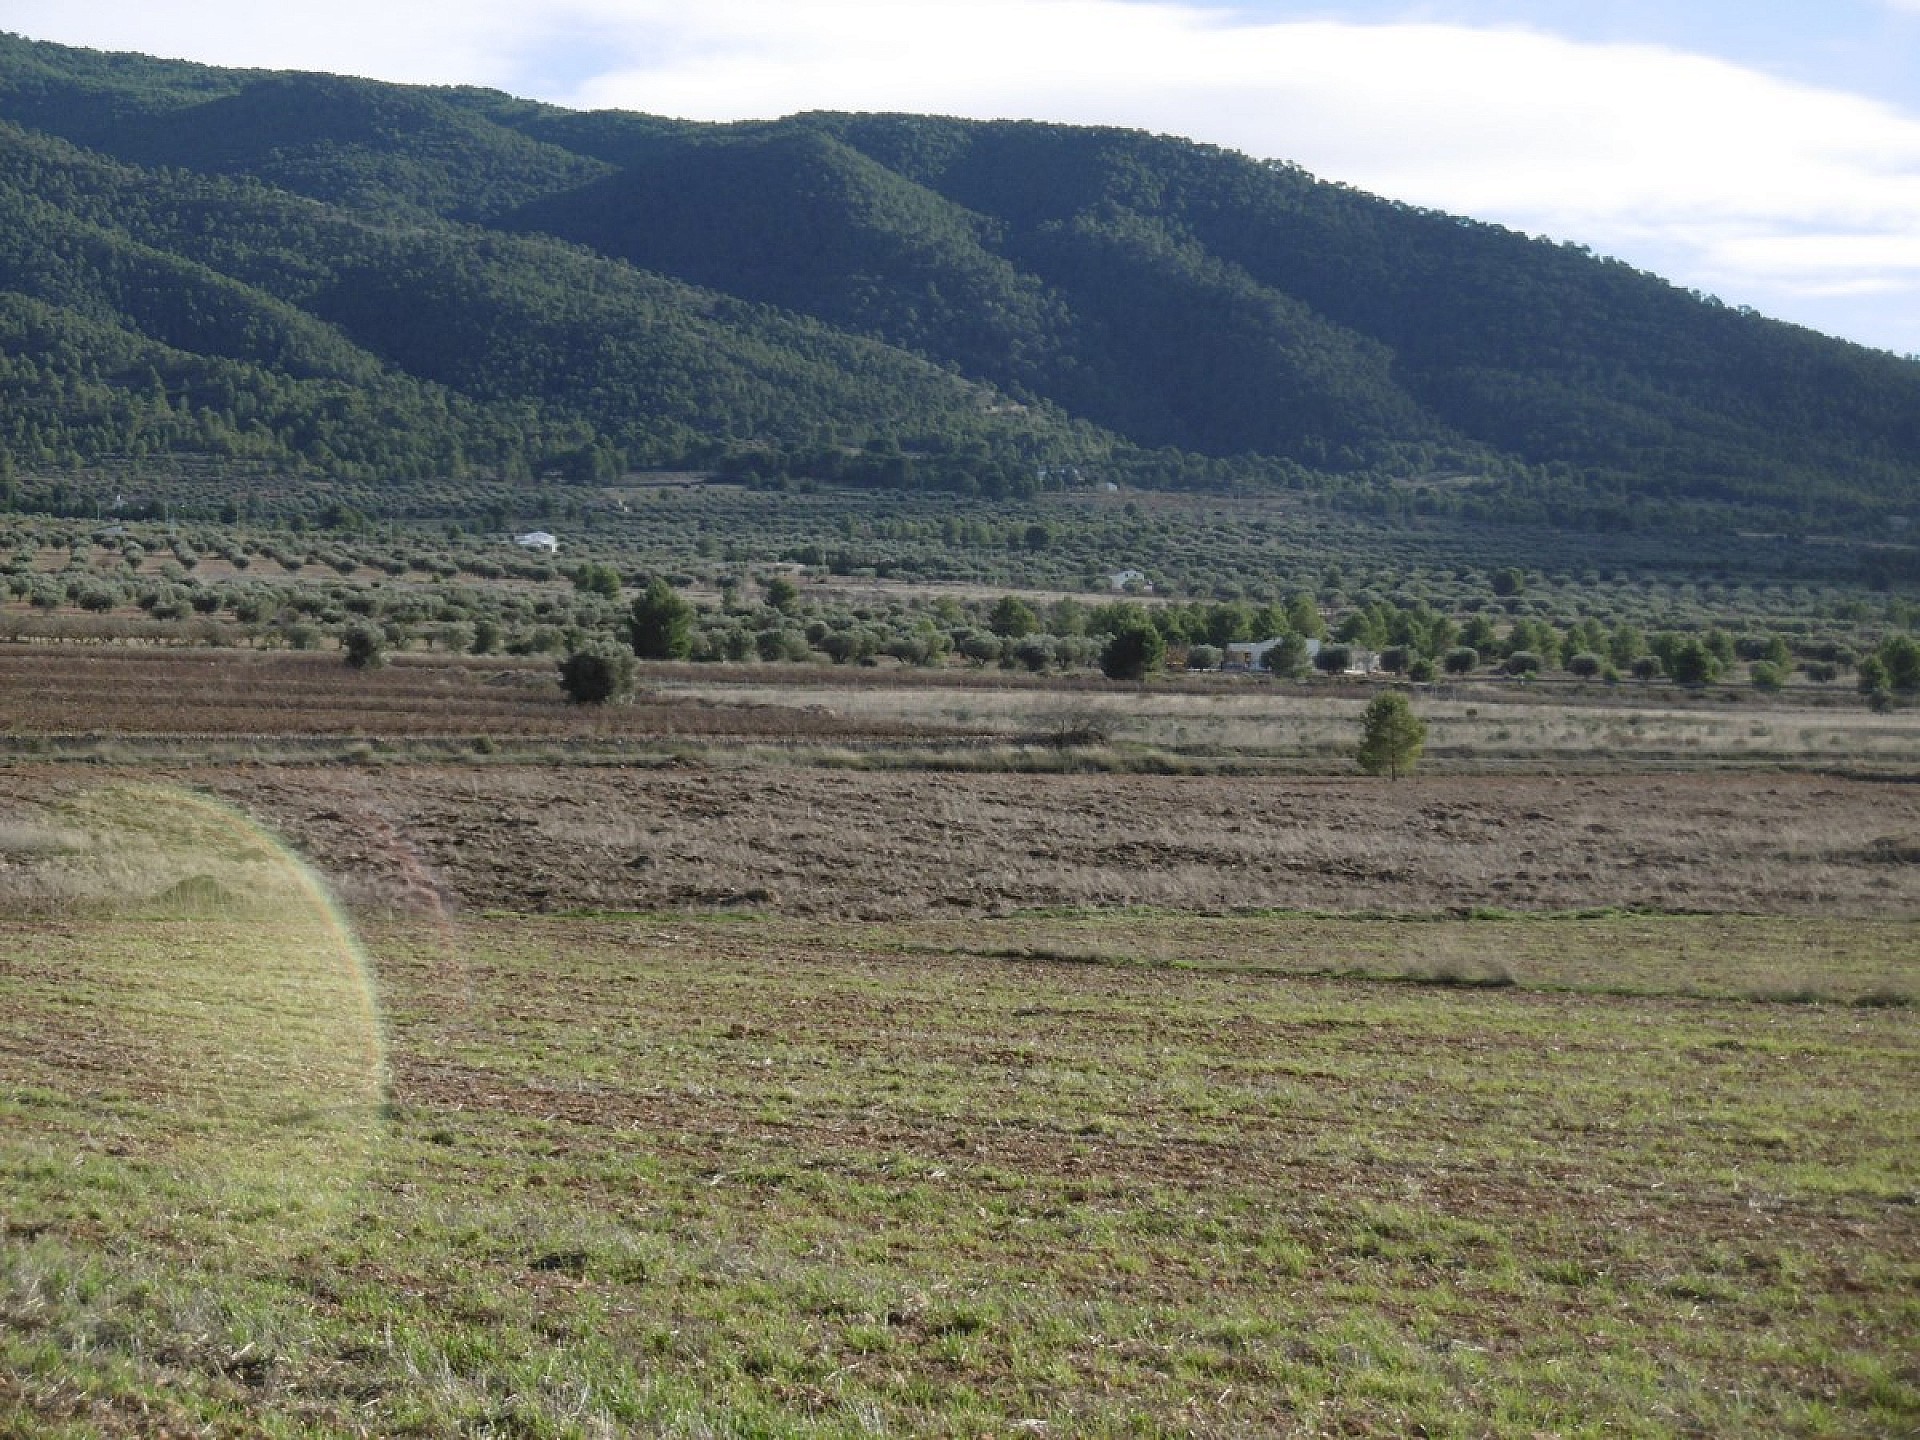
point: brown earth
(879, 844)
(718, 827)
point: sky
(1763, 151)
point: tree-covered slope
(393, 282)
(464, 346)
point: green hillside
(393, 285)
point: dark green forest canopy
(395, 286)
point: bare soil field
(469, 783)
(879, 844)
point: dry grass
(63, 696)
(831, 842)
(1500, 726)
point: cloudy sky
(1765, 151)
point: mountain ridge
(514, 289)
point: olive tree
(364, 646)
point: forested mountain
(391, 284)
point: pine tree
(662, 624)
(1390, 736)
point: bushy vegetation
(656, 580)
(597, 674)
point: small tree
(1333, 659)
(1692, 663)
(1899, 656)
(1391, 736)
(1012, 618)
(596, 674)
(594, 578)
(662, 624)
(1871, 675)
(783, 595)
(365, 646)
(1285, 656)
(1135, 650)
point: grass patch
(696, 1173)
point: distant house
(1252, 655)
(1248, 654)
(1129, 580)
(537, 540)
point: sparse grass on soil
(755, 1176)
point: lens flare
(198, 1002)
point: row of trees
(1128, 640)
(784, 619)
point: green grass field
(1076, 1174)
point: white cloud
(1717, 175)
(400, 40)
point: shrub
(596, 674)
(365, 646)
(1204, 657)
(1133, 651)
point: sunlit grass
(1085, 1174)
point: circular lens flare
(195, 997)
